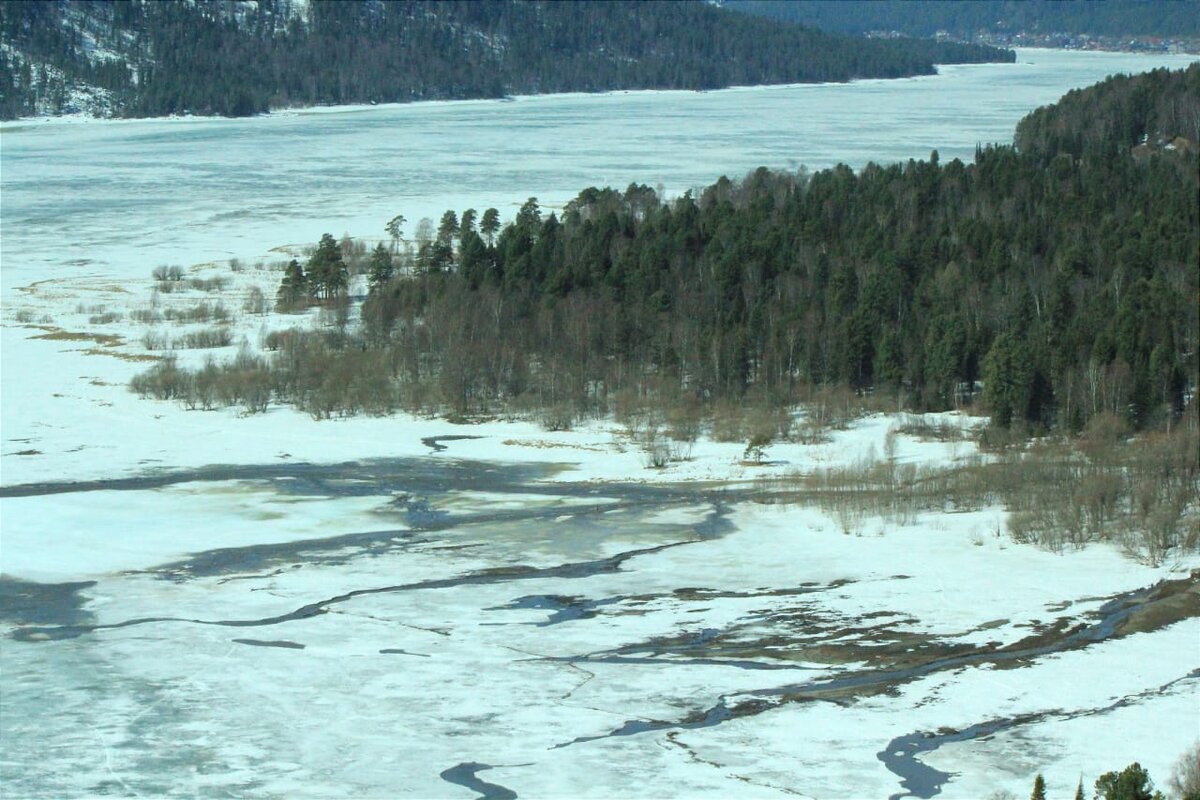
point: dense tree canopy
(233, 58)
(1062, 279)
(927, 17)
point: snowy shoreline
(353, 108)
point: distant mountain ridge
(240, 57)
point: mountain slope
(238, 57)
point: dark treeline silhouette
(1114, 18)
(1058, 278)
(221, 57)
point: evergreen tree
(1006, 379)
(490, 224)
(395, 229)
(466, 223)
(1131, 783)
(327, 272)
(380, 269)
(448, 228)
(293, 288)
(1039, 788)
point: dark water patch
(705, 718)
(570, 570)
(233, 561)
(464, 775)
(339, 549)
(1114, 619)
(272, 643)
(434, 443)
(345, 479)
(568, 608)
(395, 651)
(29, 603)
(920, 780)
(747, 664)
(562, 608)
(411, 485)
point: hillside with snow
(242, 57)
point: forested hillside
(1057, 278)
(1115, 18)
(236, 58)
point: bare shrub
(558, 417)
(214, 284)
(920, 427)
(155, 340)
(256, 302)
(146, 316)
(1185, 777)
(656, 454)
(201, 312)
(106, 318)
(202, 339)
(163, 381)
(728, 423)
(279, 339)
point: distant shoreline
(350, 108)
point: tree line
(928, 17)
(1052, 284)
(232, 58)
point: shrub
(216, 284)
(105, 318)
(165, 274)
(202, 339)
(1185, 778)
(163, 381)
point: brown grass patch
(96, 351)
(33, 287)
(542, 443)
(59, 335)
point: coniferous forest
(1114, 18)
(232, 58)
(1048, 282)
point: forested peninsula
(1048, 283)
(232, 58)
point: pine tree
(1131, 783)
(327, 273)
(448, 228)
(395, 228)
(490, 224)
(1039, 788)
(293, 288)
(381, 268)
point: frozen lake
(209, 604)
(113, 197)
